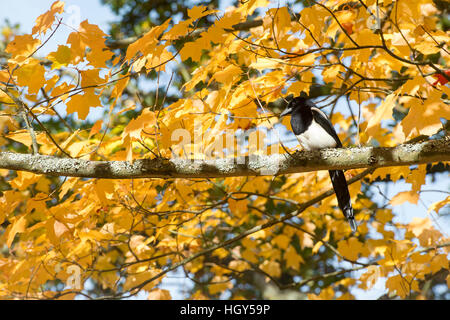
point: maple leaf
(31, 75)
(382, 112)
(145, 120)
(293, 259)
(81, 104)
(199, 11)
(18, 226)
(228, 75)
(178, 30)
(402, 286)
(424, 117)
(272, 268)
(61, 57)
(146, 44)
(159, 294)
(351, 248)
(22, 47)
(441, 79)
(45, 20)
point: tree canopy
(157, 148)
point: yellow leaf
(418, 225)
(293, 259)
(331, 74)
(135, 127)
(32, 75)
(262, 63)
(66, 142)
(296, 88)
(159, 294)
(96, 128)
(81, 104)
(229, 19)
(147, 42)
(199, 11)
(249, 255)
(439, 262)
(425, 117)
(238, 208)
(228, 75)
(427, 47)
(370, 277)
(350, 248)
(178, 30)
(394, 173)
(439, 205)
(24, 179)
(282, 241)
(219, 284)
(55, 230)
(89, 35)
(67, 186)
(45, 20)
(429, 237)
(417, 177)
(382, 112)
(158, 59)
(194, 49)
(98, 56)
(384, 215)
(22, 47)
(138, 278)
(5, 77)
(272, 268)
(239, 265)
(402, 286)
(401, 197)
(5, 98)
(280, 21)
(325, 294)
(18, 226)
(395, 253)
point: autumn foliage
(62, 236)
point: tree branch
(275, 164)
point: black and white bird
(315, 131)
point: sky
(25, 12)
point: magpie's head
(296, 103)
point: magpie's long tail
(343, 196)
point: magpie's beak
(287, 111)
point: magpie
(315, 131)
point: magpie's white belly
(316, 138)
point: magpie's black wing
(325, 123)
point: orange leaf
(382, 112)
(31, 75)
(82, 103)
(45, 20)
(159, 294)
(135, 127)
(60, 57)
(96, 128)
(350, 248)
(24, 179)
(401, 197)
(425, 117)
(22, 47)
(17, 226)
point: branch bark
(302, 161)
